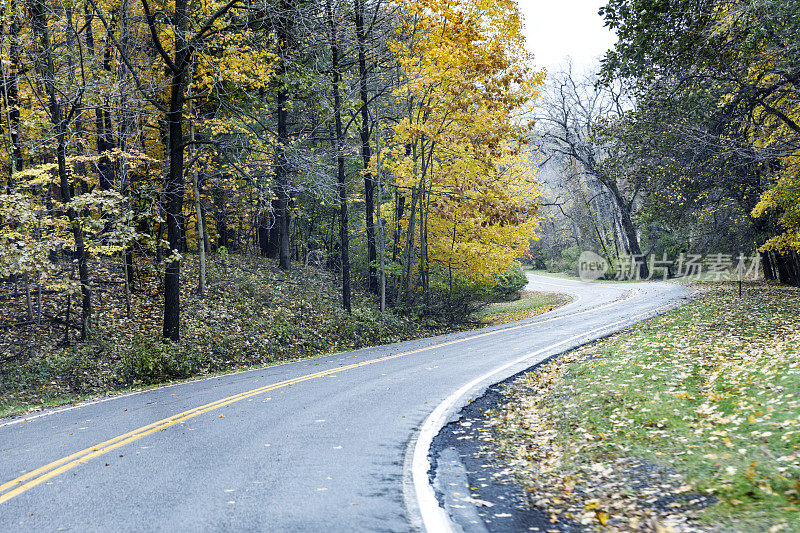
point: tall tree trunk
(399, 210)
(633, 239)
(104, 166)
(47, 71)
(71, 38)
(11, 97)
(201, 241)
(221, 218)
(378, 215)
(126, 126)
(272, 226)
(629, 229)
(769, 271)
(344, 238)
(788, 266)
(282, 185)
(175, 184)
(263, 221)
(366, 154)
(408, 264)
(279, 238)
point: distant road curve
(336, 443)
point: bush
(557, 266)
(153, 360)
(570, 256)
(536, 256)
(567, 263)
(74, 369)
(510, 281)
(454, 299)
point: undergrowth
(251, 315)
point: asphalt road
(322, 444)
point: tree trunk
(71, 37)
(633, 240)
(378, 216)
(175, 185)
(769, 272)
(126, 125)
(408, 264)
(282, 186)
(201, 242)
(344, 240)
(366, 154)
(221, 218)
(788, 266)
(263, 230)
(11, 97)
(399, 210)
(104, 165)
(47, 71)
(281, 205)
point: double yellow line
(30, 479)
(17, 486)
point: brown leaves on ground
(682, 423)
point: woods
(382, 142)
(261, 229)
(682, 141)
(402, 156)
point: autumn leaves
(463, 174)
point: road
(336, 443)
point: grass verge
(688, 421)
(539, 272)
(529, 304)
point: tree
(466, 81)
(735, 63)
(344, 238)
(60, 115)
(581, 121)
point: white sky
(557, 29)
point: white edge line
(434, 519)
(117, 396)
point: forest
(683, 141)
(243, 242)
(327, 133)
(173, 167)
(353, 152)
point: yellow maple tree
(456, 155)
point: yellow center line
(53, 469)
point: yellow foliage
(455, 154)
(773, 126)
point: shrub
(510, 281)
(152, 360)
(454, 299)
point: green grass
(529, 304)
(709, 394)
(703, 277)
(560, 275)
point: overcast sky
(557, 29)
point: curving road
(336, 443)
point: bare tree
(575, 123)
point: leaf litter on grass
(687, 422)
